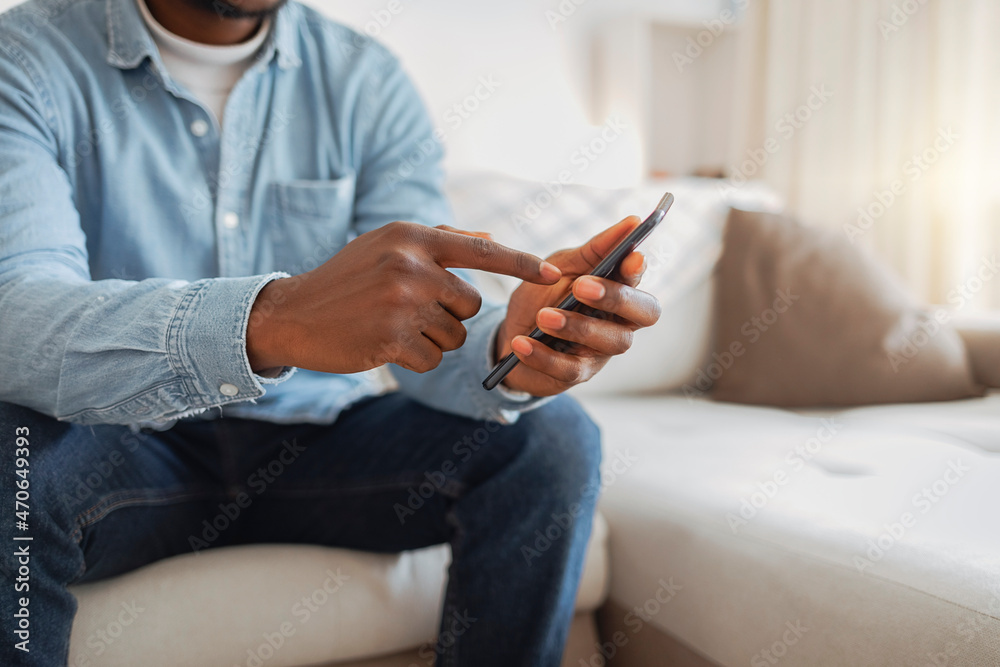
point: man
(200, 257)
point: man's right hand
(384, 298)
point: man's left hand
(593, 340)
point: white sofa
(859, 537)
(285, 606)
(735, 535)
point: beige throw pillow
(806, 319)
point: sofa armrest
(981, 333)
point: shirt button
(199, 128)
(231, 220)
(229, 389)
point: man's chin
(240, 9)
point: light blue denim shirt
(135, 232)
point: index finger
(458, 251)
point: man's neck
(200, 24)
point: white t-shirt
(209, 72)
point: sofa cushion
(855, 537)
(803, 318)
(276, 605)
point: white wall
(542, 56)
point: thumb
(583, 259)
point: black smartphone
(605, 269)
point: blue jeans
(389, 475)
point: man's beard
(232, 9)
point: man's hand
(594, 340)
(385, 298)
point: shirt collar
(129, 42)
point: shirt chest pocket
(309, 221)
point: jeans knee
(567, 454)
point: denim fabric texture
(135, 232)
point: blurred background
(877, 117)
